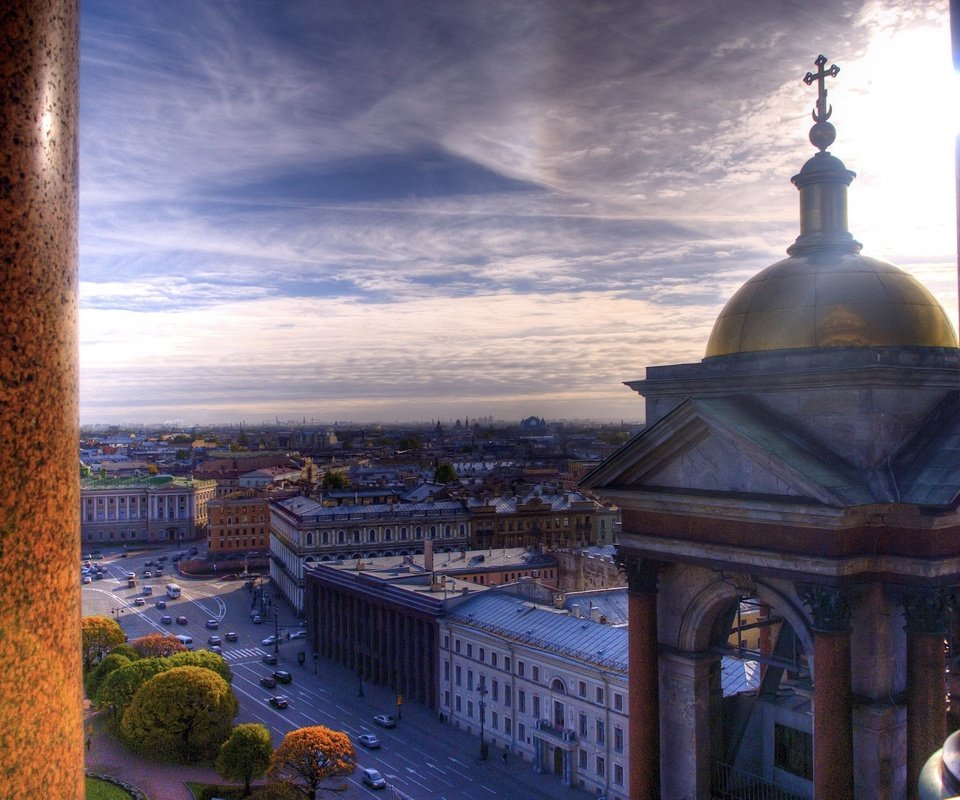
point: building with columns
(808, 468)
(144, 510)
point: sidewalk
(158, 781)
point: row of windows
(557, 685)
(373, 535)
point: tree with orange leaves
(99, 635)
(157, 645)
(309, 756)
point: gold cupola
(826, 294)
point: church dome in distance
(826, 294)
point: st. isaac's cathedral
(791, 535)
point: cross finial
(822, 133)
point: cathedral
(791, 533)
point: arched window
(371, 535)
(356, 536)
(463, 529)
(388, 535)
(556, 685)
(309, 539)
(340, 537)
(419, 532)
(403, 533)
(433, 531)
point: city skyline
(372, 212)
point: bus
(173, 591)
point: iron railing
(730, 783)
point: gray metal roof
(556, 631)
(305, 507)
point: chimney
(428, 555)
(575, 610)
(595, 614)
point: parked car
(279, 701)
(86, 579)
(212, 624)
(231, 636)
(369, 740)
(385, 721)
(372, 778)
(270, 640)
(269, 658)
(298, 635)
(166, 619)
(181, 620)
(283, 676)
(139, 602)
(268, 682)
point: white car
(385, 721)
(369, 740)
(270, 640)
(372, 778)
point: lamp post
(482, 691)
(116, 612)
(276, 628)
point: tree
(445, 473)
(309, 756)
(99, 635)
(183, 714)
(245, 755)
(335, 479)
(157, 645)
(119, 687)
(96, 676)
(202, 658)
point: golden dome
(825, 298)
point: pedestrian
(504, 756)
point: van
(185, 640)
(148, 590)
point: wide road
(421, 758)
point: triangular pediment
(733, 446)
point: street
(421, 758)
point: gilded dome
(824, 298)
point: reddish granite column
(41, 719)
(832, 702)
(926, 684)
(644, 700)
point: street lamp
(117, 612)
(276, 628)
(482, 691)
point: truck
(173, 591)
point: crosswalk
(237, 653)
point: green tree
(119, 687)
(309, 756)
(409, 443)
(283, 790)
(96, 676)
(202, 658)
(335, 479)
(245, 755)
(183, 715)
(99, 635)
(126, 649)
(445, 473)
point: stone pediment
(734, 446)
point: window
(520, 668)
(583, 724)
(446, 641)
(618, 738)
(601, 732)
(582, 759)
(459, 679)
(618, 774)
(494, 719)
(536, 674)
(456, 645)
(458, 703)
(506, 663)
(469, 650)
(493, 659)
(494, 690)
(601, 766)
(522, 732)
(469, 680)
(446, 699)
(446, 671)
(793, 751)
(470, 708)
(582, 688)
(536, 706)
(506, 694)
(507, 723)
(600, 695)
(521, 700)
(481, 655)
(617, 701)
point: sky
(436, 209)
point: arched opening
(761, 702)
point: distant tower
(801, 481)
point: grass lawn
(101, 790)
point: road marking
(488, 789)
(456, 761)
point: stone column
(924, 610)
(41, 721)
(832, 703)
(644, 699)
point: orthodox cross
(823, 111)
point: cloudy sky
(386, 210)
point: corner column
(42, 729)
(832, 700)
(926, 626)
(644, 674)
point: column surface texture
(41, 725)
(832, 717)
